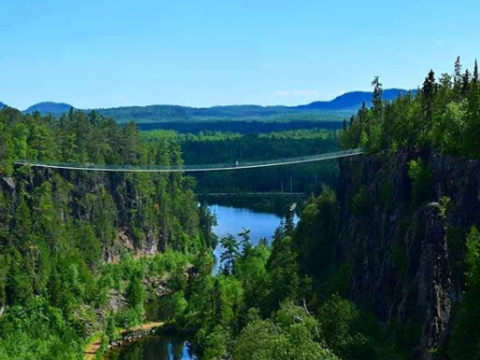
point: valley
(374, 256)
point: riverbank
(93, 347)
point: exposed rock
(431, 284)
(150, 246)
(402, 267)
(10, 183)
(124, 240)
(131, 337)
(159, 286)
(116, 301)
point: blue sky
(103, 53)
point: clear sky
(103, 53)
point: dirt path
(94, 346)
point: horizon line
(201, 107)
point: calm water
(153, 348)
(234, 220)
(230, 221)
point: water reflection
(154, 348)
(230, 221)
(233, 220)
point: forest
(225, 147)
(384, 262)
(382, 265)
(443, 116)
(242, 127)
(233, 113)
(70, 242)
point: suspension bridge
(193, 168)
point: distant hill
(2, 105)
(352, 100)
(52, 108)
(181, 114)
(334, 110)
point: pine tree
(230, 254)
(475, 72)
(429, 90)
(352, 119)
(377, 96)
(473, 115)
(457, 80)
(245, 242)
(465, 83)
(217, 303)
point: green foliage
(283, 268)
(422, 180)
(230, 252)
(267, 305)
(56, 229)
(361, 202)
(445, 205)
(443, 115)
(215, 344)
(227, 148)
(135, 295)
(37, 330)
(234, 113)
(290, 336)
(337, 316)
(316, 235)
(465, 344)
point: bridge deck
(194, 168)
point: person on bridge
(236, 163)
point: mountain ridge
(353, 100)
(49, 107)
(336, 109)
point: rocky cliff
(407, 254)
(137, 213)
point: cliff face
(141, 214)
(407, 255)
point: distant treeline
(167, 113)
(443, 116)
(242, 127)
(222, 147)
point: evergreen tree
(245, 242)
(230, 253)
(466, 333)
(377, 96)
(458, 79)
(473, 114)
(428, 92)
(465, 83)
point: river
(153, 348)
(230, 221)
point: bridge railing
(192, 168)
